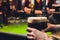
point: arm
(51, 26)
(54, 25)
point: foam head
(40, 19)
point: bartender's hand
(1, 13)
(38, 12)
(27, 10)
(36, 34)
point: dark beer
(39, 23)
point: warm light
(5, 0)
(10, 0)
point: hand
(0, 12)
(38, 12)
(27, 10)
(20, 11)
(36, 34)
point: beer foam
(40, 19)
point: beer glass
(39, 23)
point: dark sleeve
(41, 6)
(18, 5)
(53, 29)
(1, 8)
(50, 3)
(52, 20)
(26, 4)
(38, 7)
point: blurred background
(14, 13)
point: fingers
(30, 35)
(31, 29)
(36, 34)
